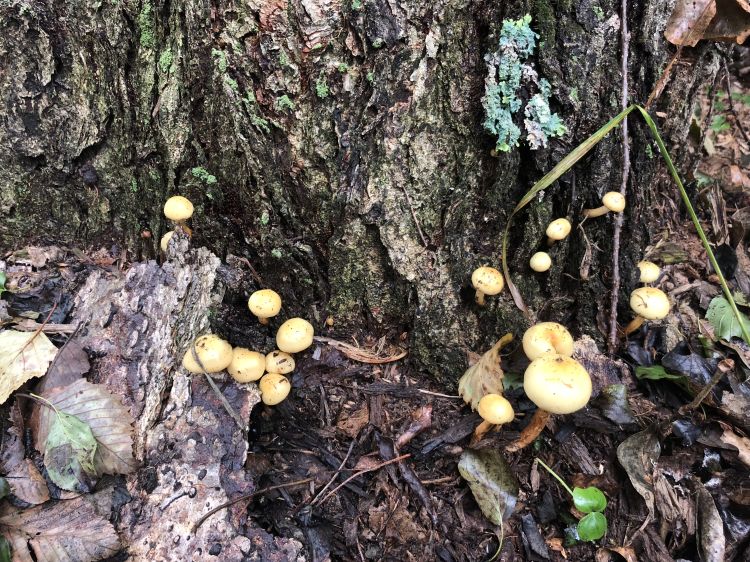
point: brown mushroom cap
(246, 365)
(487, 280)
(215, 354)
(547, 338)
(557, 384)
(649, 271)
(294, 335)
(495, 409)
(614, 201)
(178, 208)
(650, 303)
(279, 362)
(274, 388)
(558, 229)
(265, 303)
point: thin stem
(227, 406)
(553, 473)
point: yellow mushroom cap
(495, 409)
(264, 303)
(213, 352)
(547, 338)
(164, 243)
(178, 208)
(649, 271)
(614, 201)
(295, 335)
(650, 303)
(558, 229)
(273, 388)
(487, 280)
(540, 262)
(279, 362)
(557, 384)
(246, 365)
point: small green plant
(203, 175)
(370, 77)
(356, 4)
(719, 124)
(342, 67)
(321, 88)
(283, 103)
(590, 501)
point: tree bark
(336, 145)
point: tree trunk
(336, 145)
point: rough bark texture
(318, 137)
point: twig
(224, 402)
(737, 121)
(724, 366)
(335, 474)
(624, 47)
(414, 216)
(361, 472)
(247, 497)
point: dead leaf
(361, 355)
(741, 443)
(485, 376)
(689, 21)
(731, 23)
(637, 455)
(25, 480)
(352, 424)
(69, 453)
(65, 531)
(627, 552)
(23, 356)
(110, 422)
(710, 535)
(70, 364)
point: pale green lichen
(221, 60)
(321, 88)
(507, 73)
(165, 60)
(283, 103)
(146, 25)
(203, 175)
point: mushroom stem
(479, 432)
(635, 323)
(550, 241)
(479, 298)
(531, 431)
(598, 212)
(263, 321)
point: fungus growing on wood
(649, 271)
(264, 304)
(612, 201)
(547, 338)
(279, 362)
(495, 410)
(648, 303)
(178, 209)
(558, 229)
(540, 262)
(246, 365)
(214, 354)
(486, 281)
(294, 335)
(274, 388)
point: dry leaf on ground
(689, 21)
(110, 422)
(742, 443)
(23, 356)
(65, 531)
(25, 480)
(485, 376)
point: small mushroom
(486, 281)
(164, 243)
(648, 303)
(279, 362)
(558, 229)
(495, 410)
(547, 338)
(557, 385)
(246, 365)
(540, 262)
(612, 201)
(273, 388)
(294, 335)
(264, 304)
(178, 209)
(649, 271)
(214, 354)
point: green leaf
(3, 278)
(725, 323)
(655, 373)
(5, 553)
(588, 500)
(69, 453)
(4, 488)
(592, 527)
(491, 482)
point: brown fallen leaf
(741, 443)
(23, 356)
(627, 552)
(64, 531)
(731, 23)
(485, 376)
(25, 480)
(70, 364)
(110, 422)
(360, 355)
(689, 21)
(352, 423)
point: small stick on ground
(361, 472)
(724, 366)
(335, 474)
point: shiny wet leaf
(491, 482)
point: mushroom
(648, 303)
(279, 362)
(179, 209)
(540, 262)
(495, 410)
(547, 338)
(486, 281)
(164, 243)
(213, 355)
(246, 365)
(264, 304)
(649, 271)
(557, 230)
(274, 388)
(612, 201)
(557, 385)
(294, 335)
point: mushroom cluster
(177, 209)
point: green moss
(284, 59)
(165, 60)
(277, 253)
(598, 12)
(378, 43)
(356, 4)
(321, 88)
(221, 60)
(370, 77)
(146, 26)
(283, 103)
(232, 83)
(203, 175)
(342, 67)
(265, 218)
(133, 185)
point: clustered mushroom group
(211, 354)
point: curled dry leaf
(711, 541)
(25, 480)
(485, 376)
(23, 356)
(361, 355)
(66, 531)
(689, 21)
(109, 420)
(741, 443)
(637, 455)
